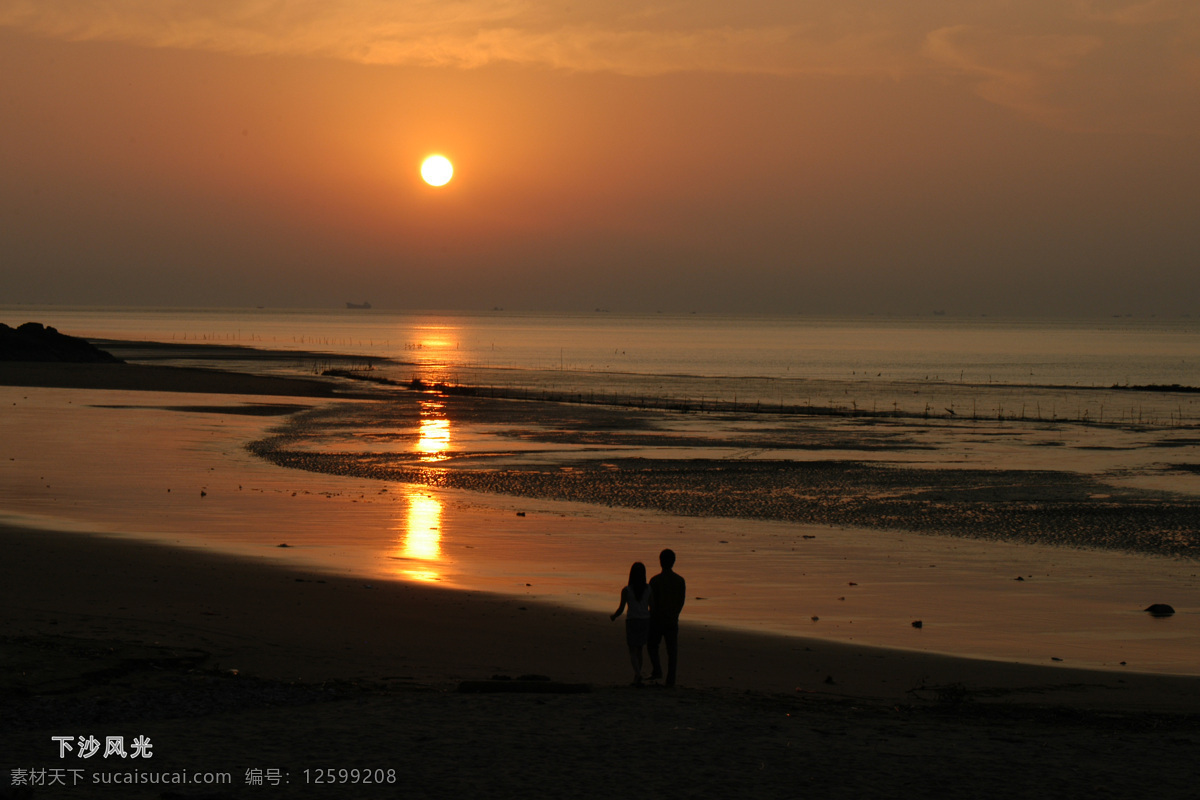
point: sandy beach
(232, 666)
(262, 667)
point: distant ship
(363, 304)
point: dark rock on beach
(36, 342)
(1160, 610)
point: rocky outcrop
(36, 342)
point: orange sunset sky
(1029, 157)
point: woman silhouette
(637, 623)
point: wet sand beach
(105, 633)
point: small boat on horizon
(361, 305)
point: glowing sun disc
(437, 170)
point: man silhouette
(669, 591)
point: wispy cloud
(1020, 71)
(1102, 66)
(1072, 63)
(630, 38)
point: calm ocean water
(880, 363)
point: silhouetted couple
(653, 617)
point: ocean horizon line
(816, 316)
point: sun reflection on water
(420, 542)
(433, 435)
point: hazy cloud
(1071, 63)
(1020, 71)
(1147, 13)
(1097, 66)
(632, 39)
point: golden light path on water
(420, 543)
(433, 434)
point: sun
(437, 170)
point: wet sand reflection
(420, 543)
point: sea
(935, 365)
